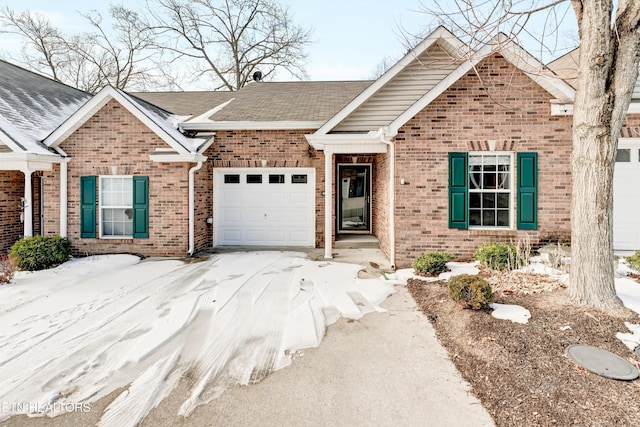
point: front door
(354, 198)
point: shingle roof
(192, 103)
(263, 101)
(289, 101)
(33, 106)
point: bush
(497, 256)
(472, 291)
(431, 263)
(7, 269)
(634, 261)
(40, 252)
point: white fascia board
(28, 161)
(440, 33)
(348, 144)
(561, 109)
(177, 158)
(534, 69)
(250, 125)
(206, 145)
(92, 106)
(9, 142)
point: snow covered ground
(80, 331)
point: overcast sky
(350, 37)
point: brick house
(443, 151)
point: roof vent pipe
(257, 76)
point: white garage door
(264, 207)
(626, 197)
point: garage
(626, 197)
(264, 207)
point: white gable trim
(514, 54)
(534, 69)
(450, 42)
(92, 106)
(9, 142)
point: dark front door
(354, 198)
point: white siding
(401, 92)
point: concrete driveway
(126, 337)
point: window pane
(503, 218)
(298, 179)
(489, 181)
(489, 161)
(108, 229)
(503, 200)
(276, 179)
(488, 200)
(107, 199)
(475, 179)
(504, 181)
(232, 179)
(474, 201)
(489, 218)
(107, 214)
(504, 161)
(254, 179)
(474, 217)
(623, 155)
(118, 229)
(128, 228)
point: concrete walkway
(386, 369)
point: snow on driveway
(76, 333)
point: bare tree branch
(229, 39)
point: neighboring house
(442, 152)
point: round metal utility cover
(602, 362)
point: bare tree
(607, 72)
(118, 54)
(229, 39)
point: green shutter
(527, 191)
(458, 190)
(88, 207)
(140, 207)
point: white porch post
(63, 197)
(328, 202)
(28, 204)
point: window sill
(492, 232)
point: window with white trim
(490, 190)
(116, 206)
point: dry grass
(521, 372)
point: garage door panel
(626, 201)
(266, 214)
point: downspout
(192, 203)
(392, 197)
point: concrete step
(356, 241)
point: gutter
(192, 173)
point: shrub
(7, 269)
(40, 252)
(472, 291)
(497, 256)
(431, 263)
(634, 261)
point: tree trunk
(607, 72)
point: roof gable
(159, 121)
(441, 35)
(353, 116)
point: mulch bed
(521, 373)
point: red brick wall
(380, 198)
(114, 137)
(12, 189)
(280, 148)
(506, 106)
